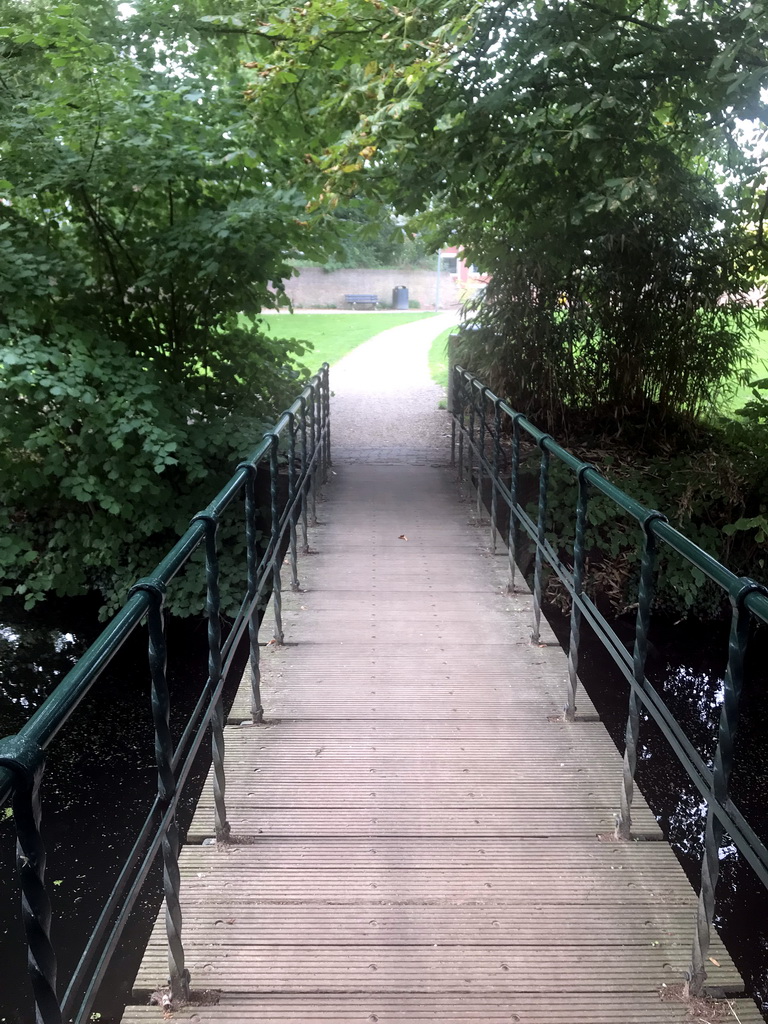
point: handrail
(472, 401)
(305, 426)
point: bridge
(413, 811)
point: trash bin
(400, 297)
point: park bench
(362, 300)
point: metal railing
(303, 431)
(479, 420)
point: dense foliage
(719, 476)
(164, 165)
(370, 236)
(591, 158)
(617, 233)
(586, 155)
(140, 228)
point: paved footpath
(385, 406)
(418, 836)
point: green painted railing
(301, 437)
(483, 428)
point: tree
(591, 141)
(585, 154)
(144, 224)
(364, 233)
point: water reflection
(88, 827)
(694, 697)
(34, 658)
(687, 668)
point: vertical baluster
(25, 760)
(304, 477)
(459, 401)
(252, 556)
(166, 785)
(212, 612)
(578, 586)
(481, 456)
(326, 398)
(320, 439)
(313, 457)
(320, 470)
(453, 424)
(470, 438)
(277, 590)
(496, 465)
(721, 776)
(541, 537)
(513, 533)
(642, 622)
(292, 492)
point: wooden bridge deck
(417, 837)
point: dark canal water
(98, 787)
(686, 664)
(101, 778)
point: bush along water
(139, 235)
(712, 486)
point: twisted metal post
(304, 471)
(26, 761)
(326, 401)
(178, 980)
(291, 499)
(541, 537)
(513, 531)
(319, 414)
(212, 611)
(312, 455)
(721, 776)
(481, 455)
(452, 410)
(252, 563)
(459, 401)
(642, 623)
(277, 591)
(320, 470)
(471, 442)
(578, 584)
(496, 465)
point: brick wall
(314, 287)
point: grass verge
(329, 336)
(438, 358)
(758, 370)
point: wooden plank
(412, 969)
(415, 821)
(418, 835)
(353, 1008)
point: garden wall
(315, 288)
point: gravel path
(384, 404)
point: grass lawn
(331, 335)
(438, 358)
(759, 370)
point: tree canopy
(587, 154)
(162, 165)
(144, 224)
